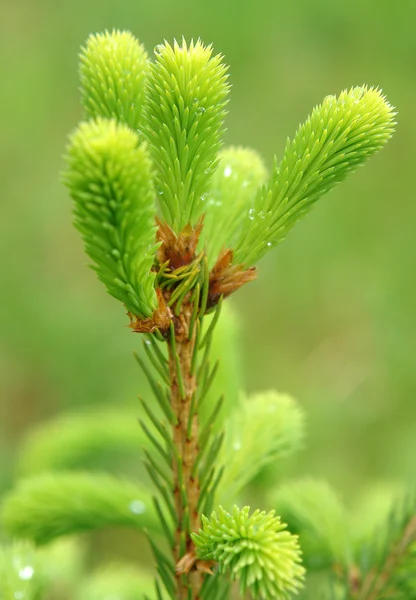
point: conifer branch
(338, 137)
(261, 430)
(377, 587)
(387, 562)
(240, 173)
(113, 77)
(314, 511)
(44, 507)
(109, 178)
(78, 440)
(170, 271)
(185, 438)
(184, 114)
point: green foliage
(256, 549)
(109, 178)
(388, 559)
(119, 581)
(184, 113)
(239, 175)
(371, 510)
(229, 378)
(62, 564)
(313, 510)
(56, 571)
(47, 506)
(376, 549)
(403, 580)
(113, 74)
(79, 440)
(177, 104)
(21, 574)
(338, 137)
(262, 429)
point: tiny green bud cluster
(256, 549)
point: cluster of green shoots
(174, 224)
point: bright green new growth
(80, 440)
(314, 511)
(113, 71)
(169, 261)
(256, 549)
(338, 137)
(239, 175)
(110, 180)
(262, 429)
(183, 122)
(44, 507)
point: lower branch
(377, 583)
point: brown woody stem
(185, 437)
(178, 318)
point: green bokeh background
(331, 318)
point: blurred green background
(330, 318)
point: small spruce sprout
(113, 76)
(256, 548)
(109, 176)
(174, 223)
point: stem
(183, 388)
(374, 583)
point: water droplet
(137, 507)
(204, 197)
(329, 99)
(251, 214)
(148, 342)
(237, 446)
(160, 192)
(227, 171)
(269, 244)
(27, 572)
(244, 184)
(201, 110)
